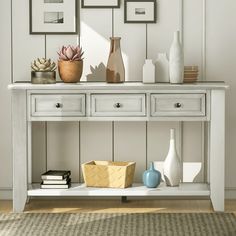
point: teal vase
(151, 177)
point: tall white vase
(176, 60)
(172, 165)
(162, 68)
(148, 72)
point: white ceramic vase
(148, 72)
(176, 60)
(162, 68)
(172, 165)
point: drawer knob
(58, 105)
(117, 105)
(178, 105)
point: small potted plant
(43, 71)
(70, 63)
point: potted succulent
(70, 63)
(43, 71)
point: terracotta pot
(70, 71)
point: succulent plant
(70, 53)
(43, 64)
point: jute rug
(83, 224)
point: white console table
(118, 102)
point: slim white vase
(172, 165)
(176, 60)
(148, 72)
(162, 68)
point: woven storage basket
(108, 174)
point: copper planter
(70, 71)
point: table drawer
(57, 105)
(178, 105)
(118, 105)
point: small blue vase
(151, 177)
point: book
(55, 175)
(55, 186)
(49, 181)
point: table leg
(217, 149)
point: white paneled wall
(208, 38)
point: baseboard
(230, 193)
(6, 193)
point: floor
(111, 206)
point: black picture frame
(83, 5)
(33, 28)
(126, 20)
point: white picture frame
(140, 11)
(100, 3)
(53, 17)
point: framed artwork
(53, 16)
(140, 11)
(100, 3)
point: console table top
(119, 86)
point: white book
(55, 186)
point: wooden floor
(113, 206)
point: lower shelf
(185, 189)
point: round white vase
(172, 165)
(176, 60)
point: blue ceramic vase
(151, 177)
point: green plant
(70, 53)
(43, 64)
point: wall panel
(96, 28)
(130, 145)
(63, 147)
(221, 64)
(5, 97)
(133, 44)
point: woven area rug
(148, 224)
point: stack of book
(56, 179)
(190, 74)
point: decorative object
(43, 71)
(103, 223)
(176, 60)
(190, 74)
(108, 174)
(172, 166)
(148, 72)
(70, 64)
(140, 11)
(115, 72)
(162, 68)
(53, 16)
(100, 3)
(151, 177)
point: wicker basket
(108, 174)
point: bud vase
(151, 177)
(115, 72)
(148, 72)
(176, 60)
(162, 68)
(172, 166)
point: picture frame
(140, 11)
(100, 3)
(53, 16)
